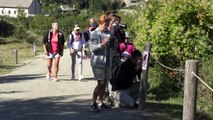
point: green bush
(178, 30)
(205, 95)
(40, 24)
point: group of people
(113, 59)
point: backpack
(71, 39)
(86, 35)
(115, 74)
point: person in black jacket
(124, 87)
(53, 44)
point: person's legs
(56, 67)
(80, 65)
(99, 92)
(95, 94)
(124, 99)
(133, 91)
(101, 84)
(73, 57)
(94, 106)
(49, 67)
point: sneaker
(48, 77)
(104, 107)
(55, 80)
(80, 77)
(73, 78)
(94, 107)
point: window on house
(9, 12)
(133, 1)
(14, 12)
(2, 11)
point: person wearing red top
(53, 44)
(126, 48)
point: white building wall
(12, 12)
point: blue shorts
(56, 55)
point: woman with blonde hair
(100, 61)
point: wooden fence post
(190, 90)
(15, 52)
(144, 77)
(34, 48)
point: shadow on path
(18, 78)
(54, 108)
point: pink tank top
(54, 43)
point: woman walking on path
(53, 44)
(100, 61)
(76, 44)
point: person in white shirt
(76, 44)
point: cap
(125, 54)
(77, 27)
(127, 35)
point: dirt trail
(25, 94)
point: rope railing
(202, 81)
(181, 70)
(174, 69)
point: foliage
(40, 24)
(6, 29)
(205, 96)
(181, 28)
(178, 30)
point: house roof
(15, 3)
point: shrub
(178, 30)
(205, 96)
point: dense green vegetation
(178, 30)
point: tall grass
(7, 54)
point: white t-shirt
(78, 42)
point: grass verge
(7, 54)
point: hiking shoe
(94, 107)
(56, 80)
(48, 77)
(80, 77)
(104, 107)
(73, 78)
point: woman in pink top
(53, 44)
(126, 48)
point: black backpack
(115, 73)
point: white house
(131, 2)
(66, 8)
(10, 7)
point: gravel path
(25, 94)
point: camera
(123, 26)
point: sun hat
(77, 27)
